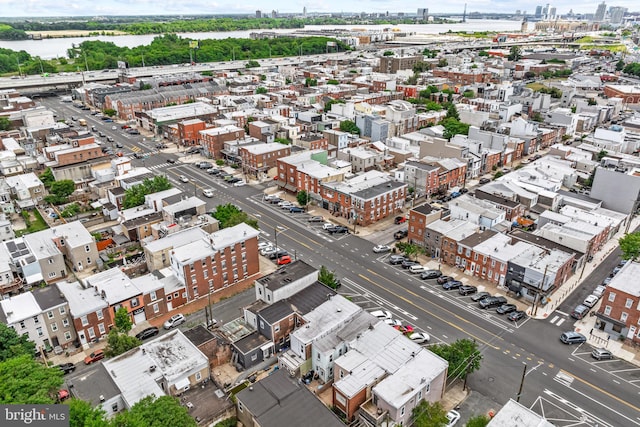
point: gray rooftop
(284, 276)
(278, 400)
(49, 297)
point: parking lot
(621, 370)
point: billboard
(122, 65)
(193, 44)
(332, 44)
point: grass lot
(34, 222)
(536, 86)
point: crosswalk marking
(557, 320)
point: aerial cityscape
(253, 216)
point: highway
(562, 381)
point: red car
(399, 220)
(94, 357)
(286, 259)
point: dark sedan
(452, 284)
(408, 263)
(514, 316)
(444, 279)
(147, 333)
(506, 309)
(67, 367)
(467, 290)
(339, 229)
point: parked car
(392, 322)
(452, 284)
(480, 296)
(207, 193)
(133, 131)
(417, 268)
(506, 309)
(452, 418)
(205, 165)
(407, 263)
(285, 203)
(590, 301)
(381, 248)
(268, 251)
(514, 316)
(236, 181)
(571, 337)
(295, 209)
(484, 181)
(444, 279)
(171, 161)
(275, 200)
(399, 220)
(430, 274)
(491, 302)
(339, 229)
(467, 290)
(110, 139)
(175, 320)
(119, 145)
(419, 337)
(286, 259)
(277, 254)
(579, 312)
(397, 259)
(316, 218)
(147, 333)
(183, 178)
(400, 234)
(94, 357)
(599, 291)
(66, 367)
(382, 314)
(601, 354)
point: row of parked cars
(590, 301)
(279, 255)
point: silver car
(175, 320)
(601, 354)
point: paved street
(561, 381)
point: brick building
(259, 158)
(392, 64)
(213, 139)
(619, 312)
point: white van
(415, 269)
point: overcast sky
(34, 8)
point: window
(99, 314)
(254, 357)
(612, 297)
(623, 316)
(198, 376)
(153, 296)
(628, 303)
(84, 321)
(156, 308)
(50, 314)
(402, 411)
(607, 310)
(67, 336)
(135, 302)
(22, 324)
(39, 331)
(50, 261)
(493, 263)
(65, 322)
(101, 328)
(62, 310)
(276, 328)
(52, 274)
(88, 260)
(240, 407)
(92, 333)
(54, 326)
(114, 407)
(87, 248)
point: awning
(609, 319)
(182, 384)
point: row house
(422, 177)
(511, 147)
(312, 141)
(188, 132)
(336, 138)
(213, 139)
(365, 199)
(460, 77)
(434, 233)
(577, 233)
(511, 208)
(419, 218)
(490, 257)
(262, 131)
(90, 313)
(258, 159)
(619, 312)
(26, 189)
(221, 260)
(488, 158)
(362, 159)
(452, 172)
(307, 171)
(451, 249)
(479, 212)
(538, 272)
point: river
(55, 48)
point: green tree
(333, 82)
(478, 421)
(47, 177)
(329, 103)
(229, 215)
(252, 64)
(261, 90)
(620, 65)
(602, 154)
(134, 196)
(303, 198)
(498, 175)
(59, 191)
(630, 245)
(151, 412)
(82, 414)
(443, 62)
(123, 320)
(119, 342)
(410, 250)
(327, 277)
(388, 53)
(483, 53)
(537, 117)
(309, 82)
(70, 210)
(24, 380)
(454, 127)
(5, 123)
(350, 127)
(427, 414)
(14, 345)
(463, 356)
(452, 112)
(110, 112)
(515, 53)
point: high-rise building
(616, 14)
(600, 11)
(552, 14)
(258, 14)
(538, 13)
(304, 11)
(423, 14)
(274, 14)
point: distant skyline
(43, 8)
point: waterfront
(57, 47)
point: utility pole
(537, 296)
(524, 374)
